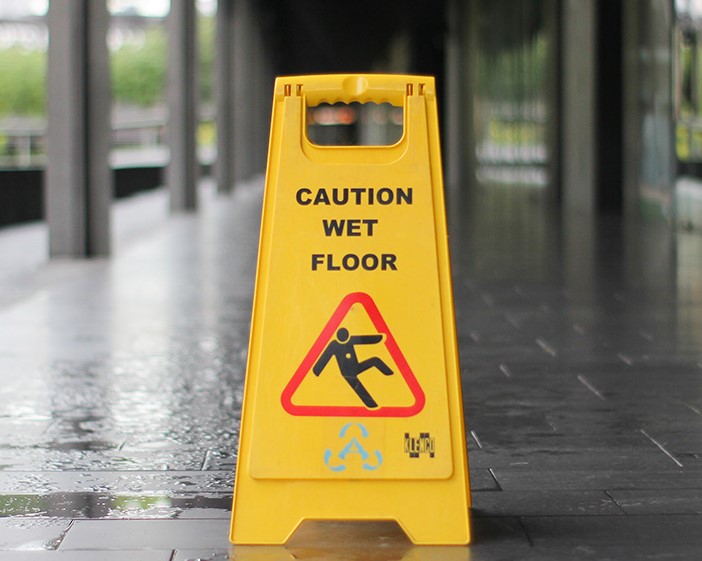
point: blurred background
(591, 105)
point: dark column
(610, 123)
(631, 116)
(578, 105)
(224, 60)
(253, 91)
(470, 15)
(454, 102)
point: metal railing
(138, 135)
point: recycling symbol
(350, 433)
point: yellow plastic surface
(352, 403)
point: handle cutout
(354, 124)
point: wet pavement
(581, 349)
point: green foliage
(139, 71)
(22, 82)
(206, 39)
(514, 74)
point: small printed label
(422, 444)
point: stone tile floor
(581, 348)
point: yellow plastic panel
(352, 404)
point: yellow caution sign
(352, 404)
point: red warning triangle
(328, 344)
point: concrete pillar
(224, 59)
(578, 105)
(244, 98)
(470, 41)
(182, 173)
(632, 116)
(250, 88)
(263, 97)
(550, 14)
(78, 190)
(454, 100)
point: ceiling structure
(319, 36)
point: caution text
(340, 196)
(349, 227)
(352, 262)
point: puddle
(106, 505)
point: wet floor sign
(352, 404)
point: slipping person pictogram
(355, 321)
(343, 349)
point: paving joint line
(585, 382)
(661, 447)
(547, 348)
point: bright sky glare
(148, 8)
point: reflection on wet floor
(106, 505)
(349, 541)
(581, 354)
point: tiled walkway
(581, 346)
